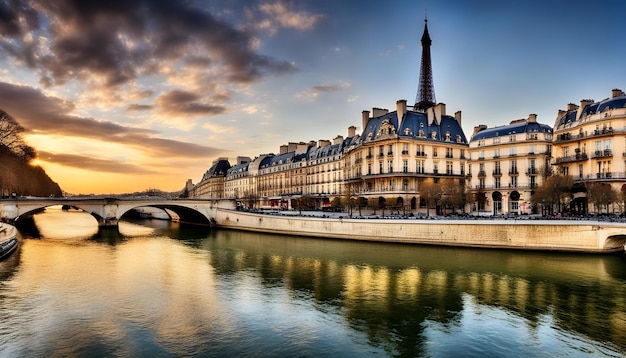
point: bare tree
(11, 137)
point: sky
(123, 96)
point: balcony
(572, 158)
(421, 154)
(405, 152)
(482, 174)
(513, 172)
(390, 152)
(449, 156)
(602, 153)
(532, 171)
(497, 173)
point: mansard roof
(218, 169)
(239, 168)
(414, 125)
(569, 117)
(515, 128)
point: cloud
(315, 91)
(282, 15)
(179, 102)
(43, 114)
(112, 43)
(138, 107)
(93, 164)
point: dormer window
(433, 135)
(407, 131)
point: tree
(555, 191)
(430, 192)
(11, 137)
(453, 193)
(350, 194)
(601, 195)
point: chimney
(291, 147)
(401, 109)
(571, 107)
(365, 117)
(583, 103)
(532, 118)
(435, 113)
(283, 149)
(479, 128)
(301, 148)
(377, 112)
(457, 116)
(616, 92)
(323, 143)
(351, 131)
(560, 114)
(241, 160)
(338, 139)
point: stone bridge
(108, 211)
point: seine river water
(158, 289)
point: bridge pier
(108, 222)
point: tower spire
(426, 91)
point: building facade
(506, 165)
(398, 155)
(590, 144)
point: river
(161, 289)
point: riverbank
(531, 233)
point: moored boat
(8, 241)
(8, 247)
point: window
(512, 151)
(436, 168)
(419, 165)
(497, 182)
(405, 166)
(514, 182)
(380, 167)
(390, 166)
(405, 148)
(449, 152)
(434, 152)
(496, 153)
(481, 154)
(449, 168)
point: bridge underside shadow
(187, 215)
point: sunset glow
(126, 96)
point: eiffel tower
(426, 91)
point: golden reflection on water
(186, 291)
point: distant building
(506, 165)
(212, 184)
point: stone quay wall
(549, 235)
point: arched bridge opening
(185, 214)
(108, 211)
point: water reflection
(170, 289)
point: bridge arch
(108, 211)
(186, 214)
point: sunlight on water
(162, 289)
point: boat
(8, 247)
(8, 241)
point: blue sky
(126, 96)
